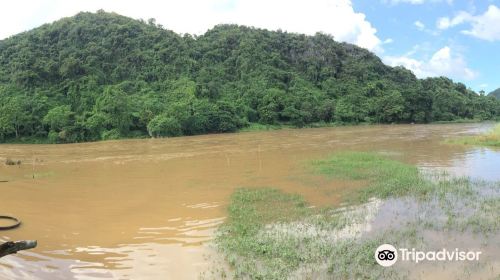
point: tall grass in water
(384, 177)
(490, 138)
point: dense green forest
(104, 76)
(495, 93)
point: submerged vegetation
(274, 235)
(490, 138)
(384, 177)
(9, 161)
(101, 76)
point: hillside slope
(495, 93)
(103, 76)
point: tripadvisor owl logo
(386, 255)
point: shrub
(163, 125)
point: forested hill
(495, 93)
(103, 76)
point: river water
(147, 209)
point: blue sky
(420, 29)
(454, 38)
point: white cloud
(445, 22)
(416, 2)
(335, 17)
(420, 26)
(444, 62)
(485, 26)
(388, 41)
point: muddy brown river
(147, 209)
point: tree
(113, 104)
(390, 107)
(14, 117)
(163, 125)
(58, 117)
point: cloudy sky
(455, 38)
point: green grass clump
(485, 220)
(491, 138)
(250, 210)
(385, 177)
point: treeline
(104, 76)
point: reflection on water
(145, 209)
(139, 261)
(479, 163)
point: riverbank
(270, 234)
(252, 127)
(265, 127)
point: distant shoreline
(253, 127)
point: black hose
(16, 222)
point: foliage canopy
(104, 76)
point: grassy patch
(250, 210)
(261, 206)
(491, 138)
(485, 220)
(385, 177)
